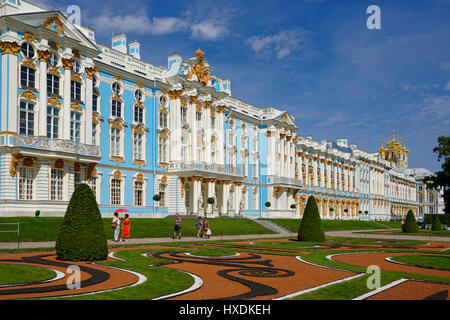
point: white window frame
(24, 108)
(75, 127)
(115, 142)
(53, 118)
(56, 188)
(136, 193)
(26, 181)
(138, 146)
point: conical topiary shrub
(81, 235)
(410, 225)
(311, 229)
(437, 226)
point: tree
(81, 235)
(311, 229)
(437, 226)
(410, 225)
(441, 179)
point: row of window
(26, 185)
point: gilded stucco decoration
(201, 70)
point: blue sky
(314, 58)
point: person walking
(116, 226)
(125, 228)
(205, 227)
(177, 228)
(199, 226)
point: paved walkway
(348, 234)
(51, 244)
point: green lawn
(160, 281)
(17, 274)
(46, 229)
(440, 262)
(338, 225)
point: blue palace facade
(160, 140)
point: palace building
(160, 140)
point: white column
(225, 196)
(315, 173)
(221, 136)
(11, 92)
(89, 93)
(68, 64)
(211, 190)
(42, 114)
(196, 192)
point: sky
(317, 59)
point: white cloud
(138, 23)
(283, 43)
(208, 30)
(437, 108)
(447, 86)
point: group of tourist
(116, 225)
(124, 224)
(203, 229)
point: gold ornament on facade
(68, 64)
(91, 171)
(14, 163)
(90, 72)
(43, 55)
(193, 99)
(54, 71)
(117, 124)
(139, 163)
(76, 167)
(164, 134)
(176, 94)
(76, 107)
(56, 23)
(117, 174)
(140, 129)
(29, 63)
(200, 69)
(59, 164)
(28, 162)
(9, 48)
(54, 101)
(27, 94)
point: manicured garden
(41, 229)
(14, 274)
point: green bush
(81, 235)
(311, 229)
(437, 226)
(410, 225)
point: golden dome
(199, 53)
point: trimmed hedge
(311, 229)
(81, 235)
(410, 225)
(437, 226)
